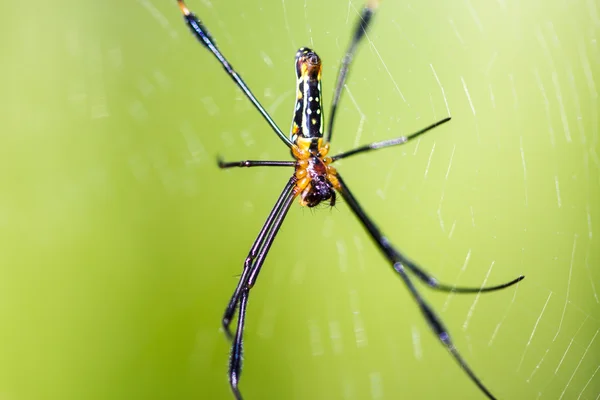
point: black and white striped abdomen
(308, 112)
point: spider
(315, 180)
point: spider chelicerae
(315, 180)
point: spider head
(320, 190)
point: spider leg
(254, 163)
(398, 263)
(388, 143)
(439, 329)
(204, 37)
(442, 287)
(259, 250)
(235, 360)
(252, 266)
(360, 30)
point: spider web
(122, 241)
(509, 187)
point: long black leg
(398, 263)
(395, 256)
(442, 287)
(255, 163)
(359, 32)
(251, 269)
(204, 37)
(439, 329)
(280, 207)
(235, 360)
(389, 142)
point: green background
(121, 241)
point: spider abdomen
(308, 112)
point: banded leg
(254, 163)
(398, 263)
(388, 143)
(204, 37)
(252, 267)
(359, 32)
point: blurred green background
(121, 241)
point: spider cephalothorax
(316, 178)
(316, 185)
(320, 189)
